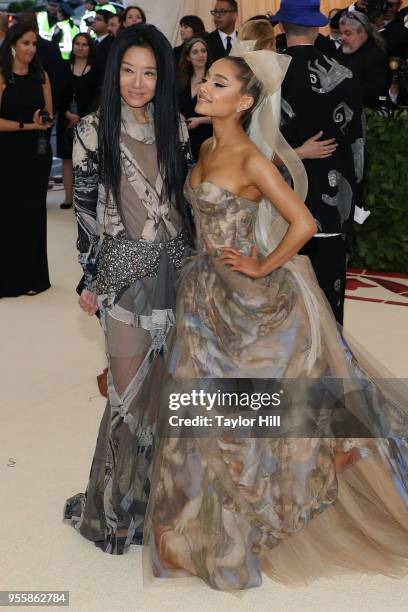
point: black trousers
(329, 260)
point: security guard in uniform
(47, 19)
(106, 6)
(65, 30)
(88, 17)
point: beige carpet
(50, 412)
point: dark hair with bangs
(166, 116)
(193, 22)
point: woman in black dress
(25, 117)
(77, 101)
(194, 63)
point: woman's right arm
(86, 181)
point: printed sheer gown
(129, 258)
(227, 508)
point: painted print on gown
(227, 509)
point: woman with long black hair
(129, 170)
(25, 164)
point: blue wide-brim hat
(300, 12)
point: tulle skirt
(327, 494)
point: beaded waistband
(121, 262)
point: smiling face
(26, 48)
(198, 55)
(81, 48)
(220, 95)
(138, 77)
(133, 17)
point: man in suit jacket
(318, 94)
(220, 41)
(103, 42)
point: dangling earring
(13, 52)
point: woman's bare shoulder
(256, 161)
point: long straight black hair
(13, 35)
(170, 156)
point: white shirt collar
(223, 35)
(101, 38)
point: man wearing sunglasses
(220, 41)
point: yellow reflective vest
(69, 30)
(45, 30)
(106, 7)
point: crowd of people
(215, 187)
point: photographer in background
(363, 52)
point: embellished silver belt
(121, 262)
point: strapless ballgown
(227, 509)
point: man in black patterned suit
(220, 41)
(321, 95)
